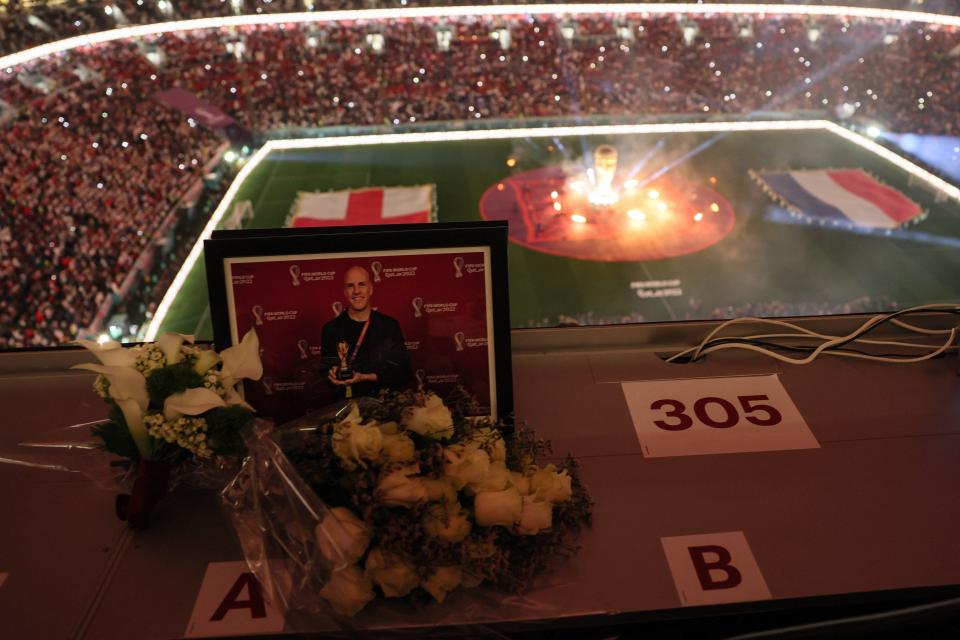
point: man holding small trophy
(371, 353)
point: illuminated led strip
(505, 134)
(373, 15)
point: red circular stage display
(556, 213)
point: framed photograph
(348, 311)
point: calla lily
(170, 343)
(128, 388)
(125, 383)
(111, 353)
(205, 360)
(232, 398)
(133, 415)
(242, 360)
(191, 402)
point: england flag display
(378, 205)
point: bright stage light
(653, 194)
(554, 195)
(557, 206)
(698, 217)
(714, 207)
(578, 185)
(630, 184)
(636, 214)
(661, 206)
(579, 219)
(103, 338)
(603, 197)
(511, 162)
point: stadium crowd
(90, 165)
(28, 24)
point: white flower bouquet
(171, 404)
(401, 497)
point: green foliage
(116, 436)
(171, 379)
(225, 429)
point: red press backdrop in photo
(439, 300)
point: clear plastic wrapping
(289, 539)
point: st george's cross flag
(373, 206)
(851, 196)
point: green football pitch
(765, 263)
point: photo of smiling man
(367, 345)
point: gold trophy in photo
(344, 372)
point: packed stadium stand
(27, 24)
(91, 166)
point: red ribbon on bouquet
(149, 488)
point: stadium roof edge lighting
(502, 134)
(100, 37)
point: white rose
(447, 521)
(491, 441)
(432, 420)
(395, 577)
(497, 479)
(351, 417)
(354, 443)
(465, 464)
(389, 428)
(348, 590)
(443, 581)
(535, 516)
(342, 536)
(549, 485)
(521, 482)
(498, 508)
(440, 490)
(397, 447)
(398, 489)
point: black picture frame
(224, 246)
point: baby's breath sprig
(187, 432)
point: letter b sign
(714, 568)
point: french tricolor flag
(847, 195)
(380, 205)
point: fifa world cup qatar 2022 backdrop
(440, 297)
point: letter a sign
(231, 602)
(714, 568)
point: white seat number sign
(700, 416)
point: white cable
(832, 340)
(821, 349)
(916, 329)
(812, 335)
